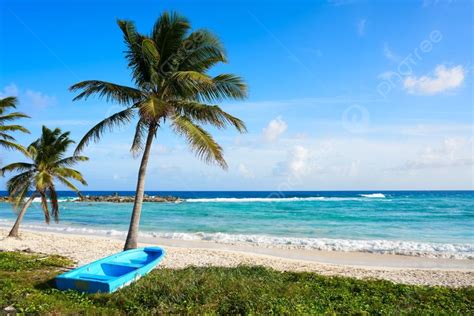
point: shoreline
(399, 248)
(180, 254)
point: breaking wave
(408, 248)
(362, 197)
(66, 199)
(374, 195)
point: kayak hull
(111, 273)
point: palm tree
(171, 85)
(47, 165)
(6, 140)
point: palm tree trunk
(132, 236)
(16, 226)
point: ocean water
(420, 223)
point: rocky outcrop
(117, 199)
(127, 199)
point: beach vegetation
(47, 165)
(172, 87)
(27, 285)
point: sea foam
(374, 195)
(66, 199)
(408, 248)
(286, 199)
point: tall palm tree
(47, 165)
(6, 140)
(171, 85)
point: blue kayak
(111, 273)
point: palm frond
(152, 58)
(140, 131)
(70, 173)
(70, 161)
(150, 51)
(200, 141)
(68, 183)
(94, 134)
(208, 114)
(13, 146)
(200, 51)
(18, 186)
(42, 180)
(199, 86)
(44, 206)
(53, 196)
(50, 147)
(168, 33)
(5, 136)
(8, 102)
(110, 91)
(14, 128)
(19, 199)
(17, 182)
(186, 85)
(136, 61)
(12, 116)
(225, 86)
(18, 167)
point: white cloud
(9, 91)
(389, 54)
(274, 130)
(361, 27)
(444, 79)
(452, 152)
(299, 160)
(354, 168)
(335, 163)
(245, 172)
(434, 129)
(296, 164)
(28, 97)
(160, 149)
(39, 99)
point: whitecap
(374, 195)
(270, 199)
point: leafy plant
(222, 291)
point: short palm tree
(47, 165)
(172, 85)
(6, 139)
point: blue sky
(344, 95)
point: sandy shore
(84, 249)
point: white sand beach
(180, 254)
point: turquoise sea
(427, 223)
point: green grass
(26, 283)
